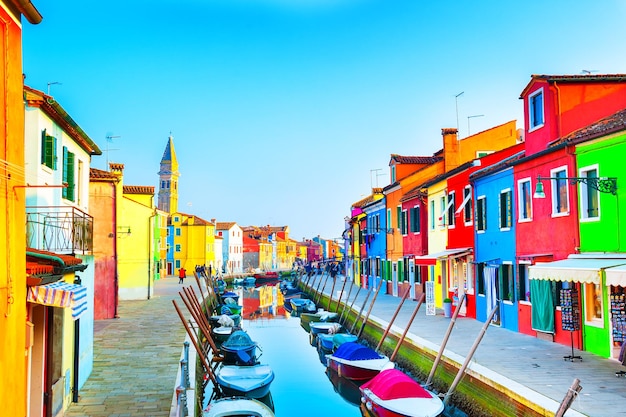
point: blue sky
(281, 109)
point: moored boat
(237, 406)
(247, 281)
(321, 328)
(302, 305)
(248, 381)
(355, 361)
(320, 316)
(392, 393)
(239, 349)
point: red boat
(355, 361)
(265, 277)
(392, 393)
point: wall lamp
(603, 185)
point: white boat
(237, 406)
(246, 381)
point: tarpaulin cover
(239, 339)
(353, 351)
(60, 294)
(391, 384)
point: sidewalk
(525, 365)
(136, 358)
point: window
(467, 205)
(415, 219)
(399, 217)
(48, 150)
(480, 154)
(68, 174)
(481, 213)
(450, 209)
(524, 200)
(177, 248)
(508, 287)
(480, 276)
(177, 264)
(432, 214)
(442, 211)
(403, 222)
(393, 174)
(589, 198)
(505, 209)
(523, 286)
(560, 193)
(177, 231)
(593, 302)
(535, 110)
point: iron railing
(60, 229)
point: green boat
(322, 315)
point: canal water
(302, 384)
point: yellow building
(193, 240)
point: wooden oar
(406, 329)
(360, 311)
(380, 284)
(332, 290)
(444, 342)
(319, 284)
(352, 304)
(205, 363)
(200, 323)
(382, 339)
(345, 281)
(321, 293)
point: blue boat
(239, 349)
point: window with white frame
(450, 209)
(466, 206)
(442, 211)
(431, 203)
(589, 197)
(535, 110)
(505, 209)
(560, 192)
(508, 286)
(415, 219)
(524, 200)
(481, 213)
(403, 223)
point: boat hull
(248, 381)
(225, 407)
(357, 370)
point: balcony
(59, 229)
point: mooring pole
(572, 392)
(369, 311)
(393, 318)
(408, 325)
(444, 342)
(461, 372)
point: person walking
(182, 274)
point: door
(412, 278)
(394, 279)
(492, 291)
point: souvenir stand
(570, 317)
(618, 321)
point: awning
(60, 294)
(616, 276)
(463, 203)
(431, 259)
(584, 270)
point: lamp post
(603, 185)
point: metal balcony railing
(60, 229)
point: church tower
(168, 179)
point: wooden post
(332, 290)
(343, 287)
(393, 318)
(444, 342)
(406, 329)
(369, 311)
(572, 392)
(345, 305)
(461, 372)
(358, 317)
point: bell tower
(168, 179)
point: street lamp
(603, 185)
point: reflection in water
(348, 389)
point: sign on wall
(430, 298)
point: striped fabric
(60, 294)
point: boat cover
(354, 351)
(238, 340)
(392, 384)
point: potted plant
(447, 307)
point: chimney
(450, 148)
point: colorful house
(554, 108)
(193, 241)
(15, 327)
(58, 223)
(374, 236)
(232, 250)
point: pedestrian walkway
(524, 365)
(136, 358)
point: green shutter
(48, 150)
(68, 174)
(399, 217)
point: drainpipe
(150, 242)
(115, 268)
(76, 364)
(558, 108)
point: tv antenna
(374, 177)
(53, 83)
(109, 139)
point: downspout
(558, 109)
(150, 243)
(115, 268)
